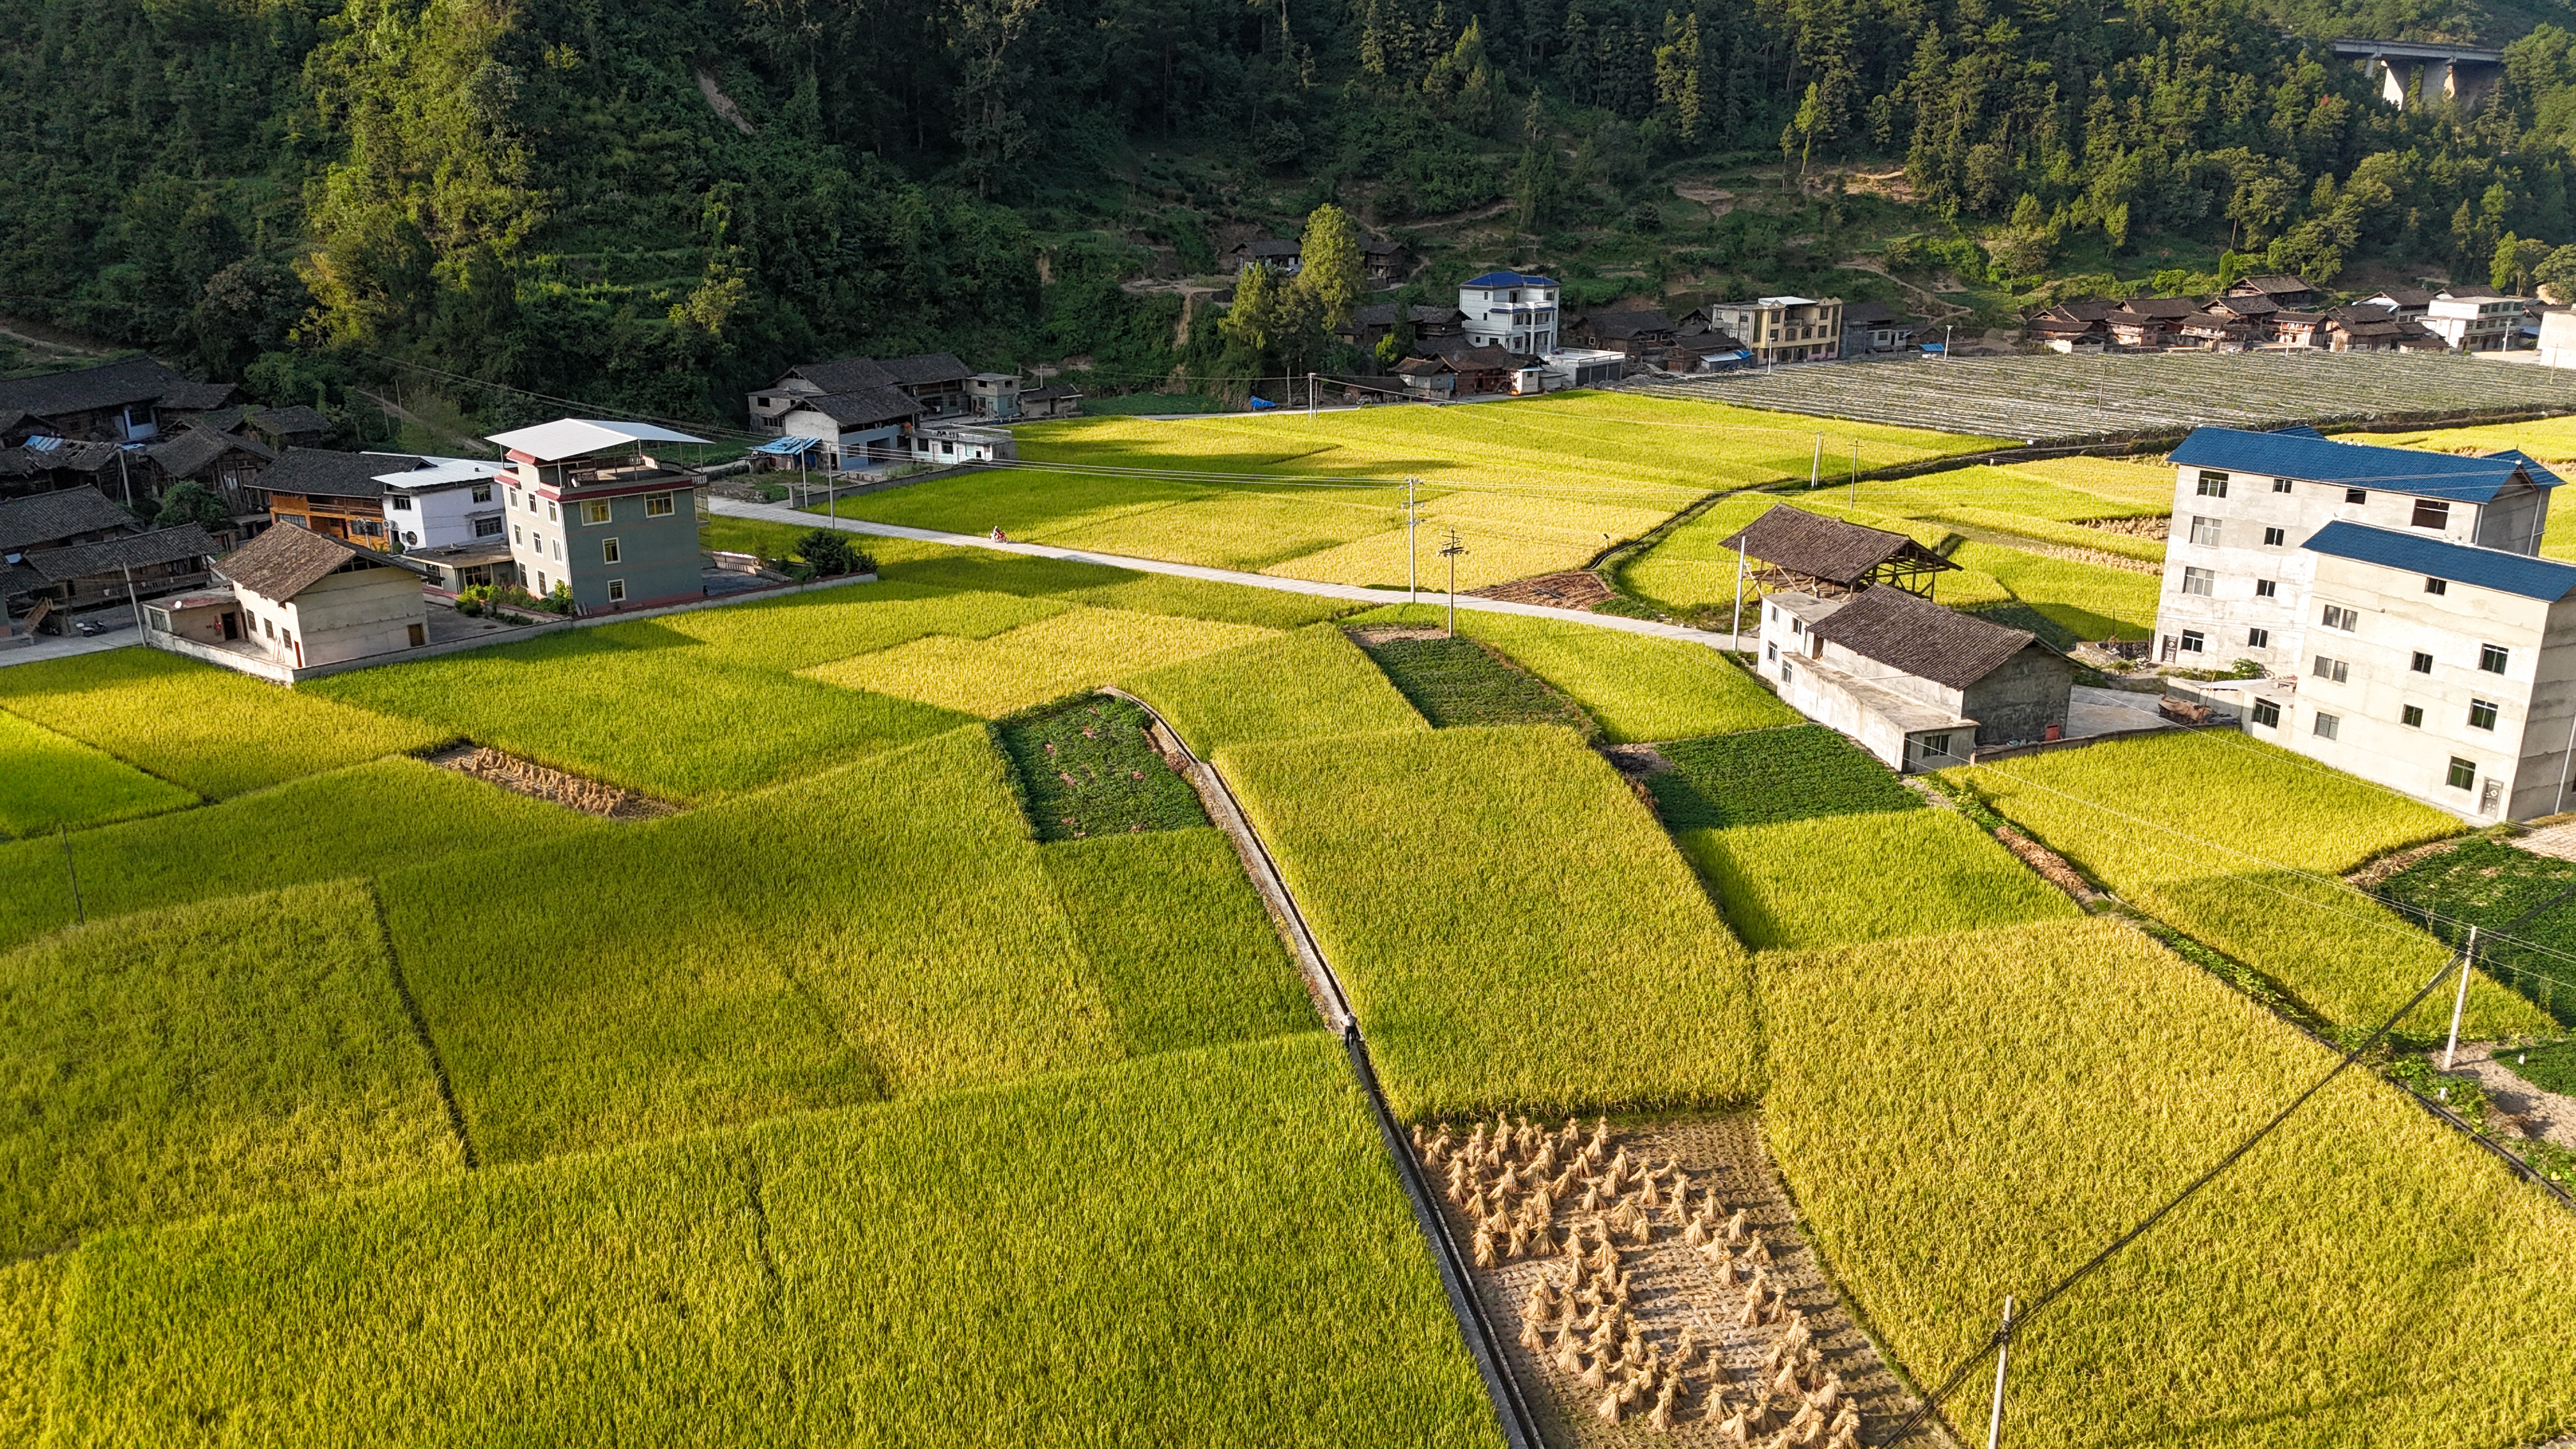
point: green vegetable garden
(939, 1068)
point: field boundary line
(420, 1029)
(1484, 1342)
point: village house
(1461, 371)
(2284, 293)
(592, 511)
(2148, 322)
(935, 381)
(2407, 302)
(110, 569)
(339, 495)
(1783, 329)
(2071, 326)
(1511, 311)
(1283, 257)
(226, 464)
(1055, 400)
(2366, 328)
(302, 599)
(1853, 646)
(2475, 319)
(41, 464)
(2219, 331)
(1382, 262)
(1642, 333)
(114, 402)
(2558, 337)
(994, 395)
(1872, 329)
(443, 502)
(853, 430)
(2299, 329)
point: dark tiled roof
(1826, 548)
(1918, 637)
(1372, 247)
(191, 449)
(1378, 316)
(2360, 312)
(2088, 311)
(1267, 247)
(108, 385)
(329, 473)
(98, 458)
(2273, 286)
(1873, 314)
(861, 409)
(2409, 296)
(1422, 313)
(2286, 318)
(1627, 326)
(2474, 293)
(1423, 366)
(198, 397)
(925, 368)
(284, 561)
(1464, 356)
(288, 422)
(2322, 460)
(848, 374)
(1051, 392)
(2254, 306)
(2416, 553)
(48, 517)
(2159, 307)
(108, 555)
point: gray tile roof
(51, 517)
(1913, 635)
(88, 389)
(847, 374)
(198, 397)
(289, 422)
(191, 449)
(924, 368)
(862, 409)
(1827, 548)
(329, 473)
(108, 555)
(284, 561)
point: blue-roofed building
(1514, 311)
(2236, 571)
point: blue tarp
(789, 447)
(1263, 402)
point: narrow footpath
(780, 513)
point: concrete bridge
(2461, 73)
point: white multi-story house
(1510, 310)
(442, 503)
(2410, 632)
(2244, 503)
(2475, 319)
(1784, 329)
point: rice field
(1504, 914)
(2026, 1094)
(30, 1320)
(203, 1059)
(2056, 398)
(802, 631)
(1634, 686)
(361, 820)
(1457, 682)
(1210, 1249)
(49, 782)
(2087, 600)
(1088, 767)
(2163, 820)
(1062, 654)
(1760, 777)
(1102, 586)
(883, 929)
(205, 729)
(643, 706)
(1303, 685)
(1182, 950)
(1845, 879)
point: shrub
(829, 551)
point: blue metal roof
(2485, 568)
(2357, 465)
(2531, 465)
(1508, 279)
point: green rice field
(50, 782)
(1313, 682)
(1764, 776)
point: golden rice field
(1047, 659)
(1839, 880)
(1305, 685)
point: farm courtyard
(1025, 1001)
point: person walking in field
(999, 536)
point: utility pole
(1735, 639)
(1855, 470)
(1450, 551)
(132, 602)
(1816, 464)
(1310, 397)
(2460, 1002)
(2003, 1352)
(1412, 550)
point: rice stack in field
(2436, 1267)
(187, 722)
(1486, 963)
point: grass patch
(203, 1059)
(355, 821)
(882, 929)
(1765, 776)
(1846, 879)
(1203, 1249)
(2164, 821)
(1635, 686)
(2551, 1068)
(2492, 885)
(643, 706)
(1309, 683)
(1456, 682)
(48, 782)
(208, 729)
(1964, 1117)
(1055, 656)
(1184, 950)
(1511, 925)
(1088, 768)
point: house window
(2339, 617)
(2212, 484)
(401, 502)
(541, 581)
(2423, 663)
(2267, 714)
(2275, 537)
(2482, 715)
(2192, 641)
(2266, 588)
(2280, 485)
(550, 511)
(2431, 513)
(657, 505)
(487, 528)
(2331, 669)
(2328, 726)
(2197, 581)
(2412, 716)
(268, 627)
(558, 550)
(2437, 586)
(2464, 773)
(516, 536)
(1771, 651)
(616, 590)
(2258, 638)
(1787, 675)
(608, 551)
(2356, 495)
(482, 493)
(2204, 530)
(595, 512)
(2491, 659)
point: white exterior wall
(1905, 722)
(2474, 324)
(859, 446)
(2558, 337)
(438, 517)
(1521, 320)
(2240, 559)
(339, 616)
(2524, 755)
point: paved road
(780, 513)
(49, 646)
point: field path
(780, 513)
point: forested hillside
(654, 202)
